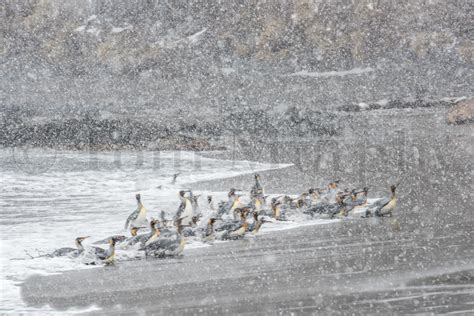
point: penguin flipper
(131, 218)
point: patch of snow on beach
(116, 30)
(354, 71)
(227, 71)
(193, 39)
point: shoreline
(154, 198)
(247, 259)
(90, 132)
(318, 268)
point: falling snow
(272, 157)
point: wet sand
(419, 261)
(358, 266)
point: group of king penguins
(230, 220)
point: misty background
(200, 59)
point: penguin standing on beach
(257, 194)
(185, 211)
(138, 217)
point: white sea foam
(342, 73)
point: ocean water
(48, 198)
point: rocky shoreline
(90, 130)
(399, 104)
